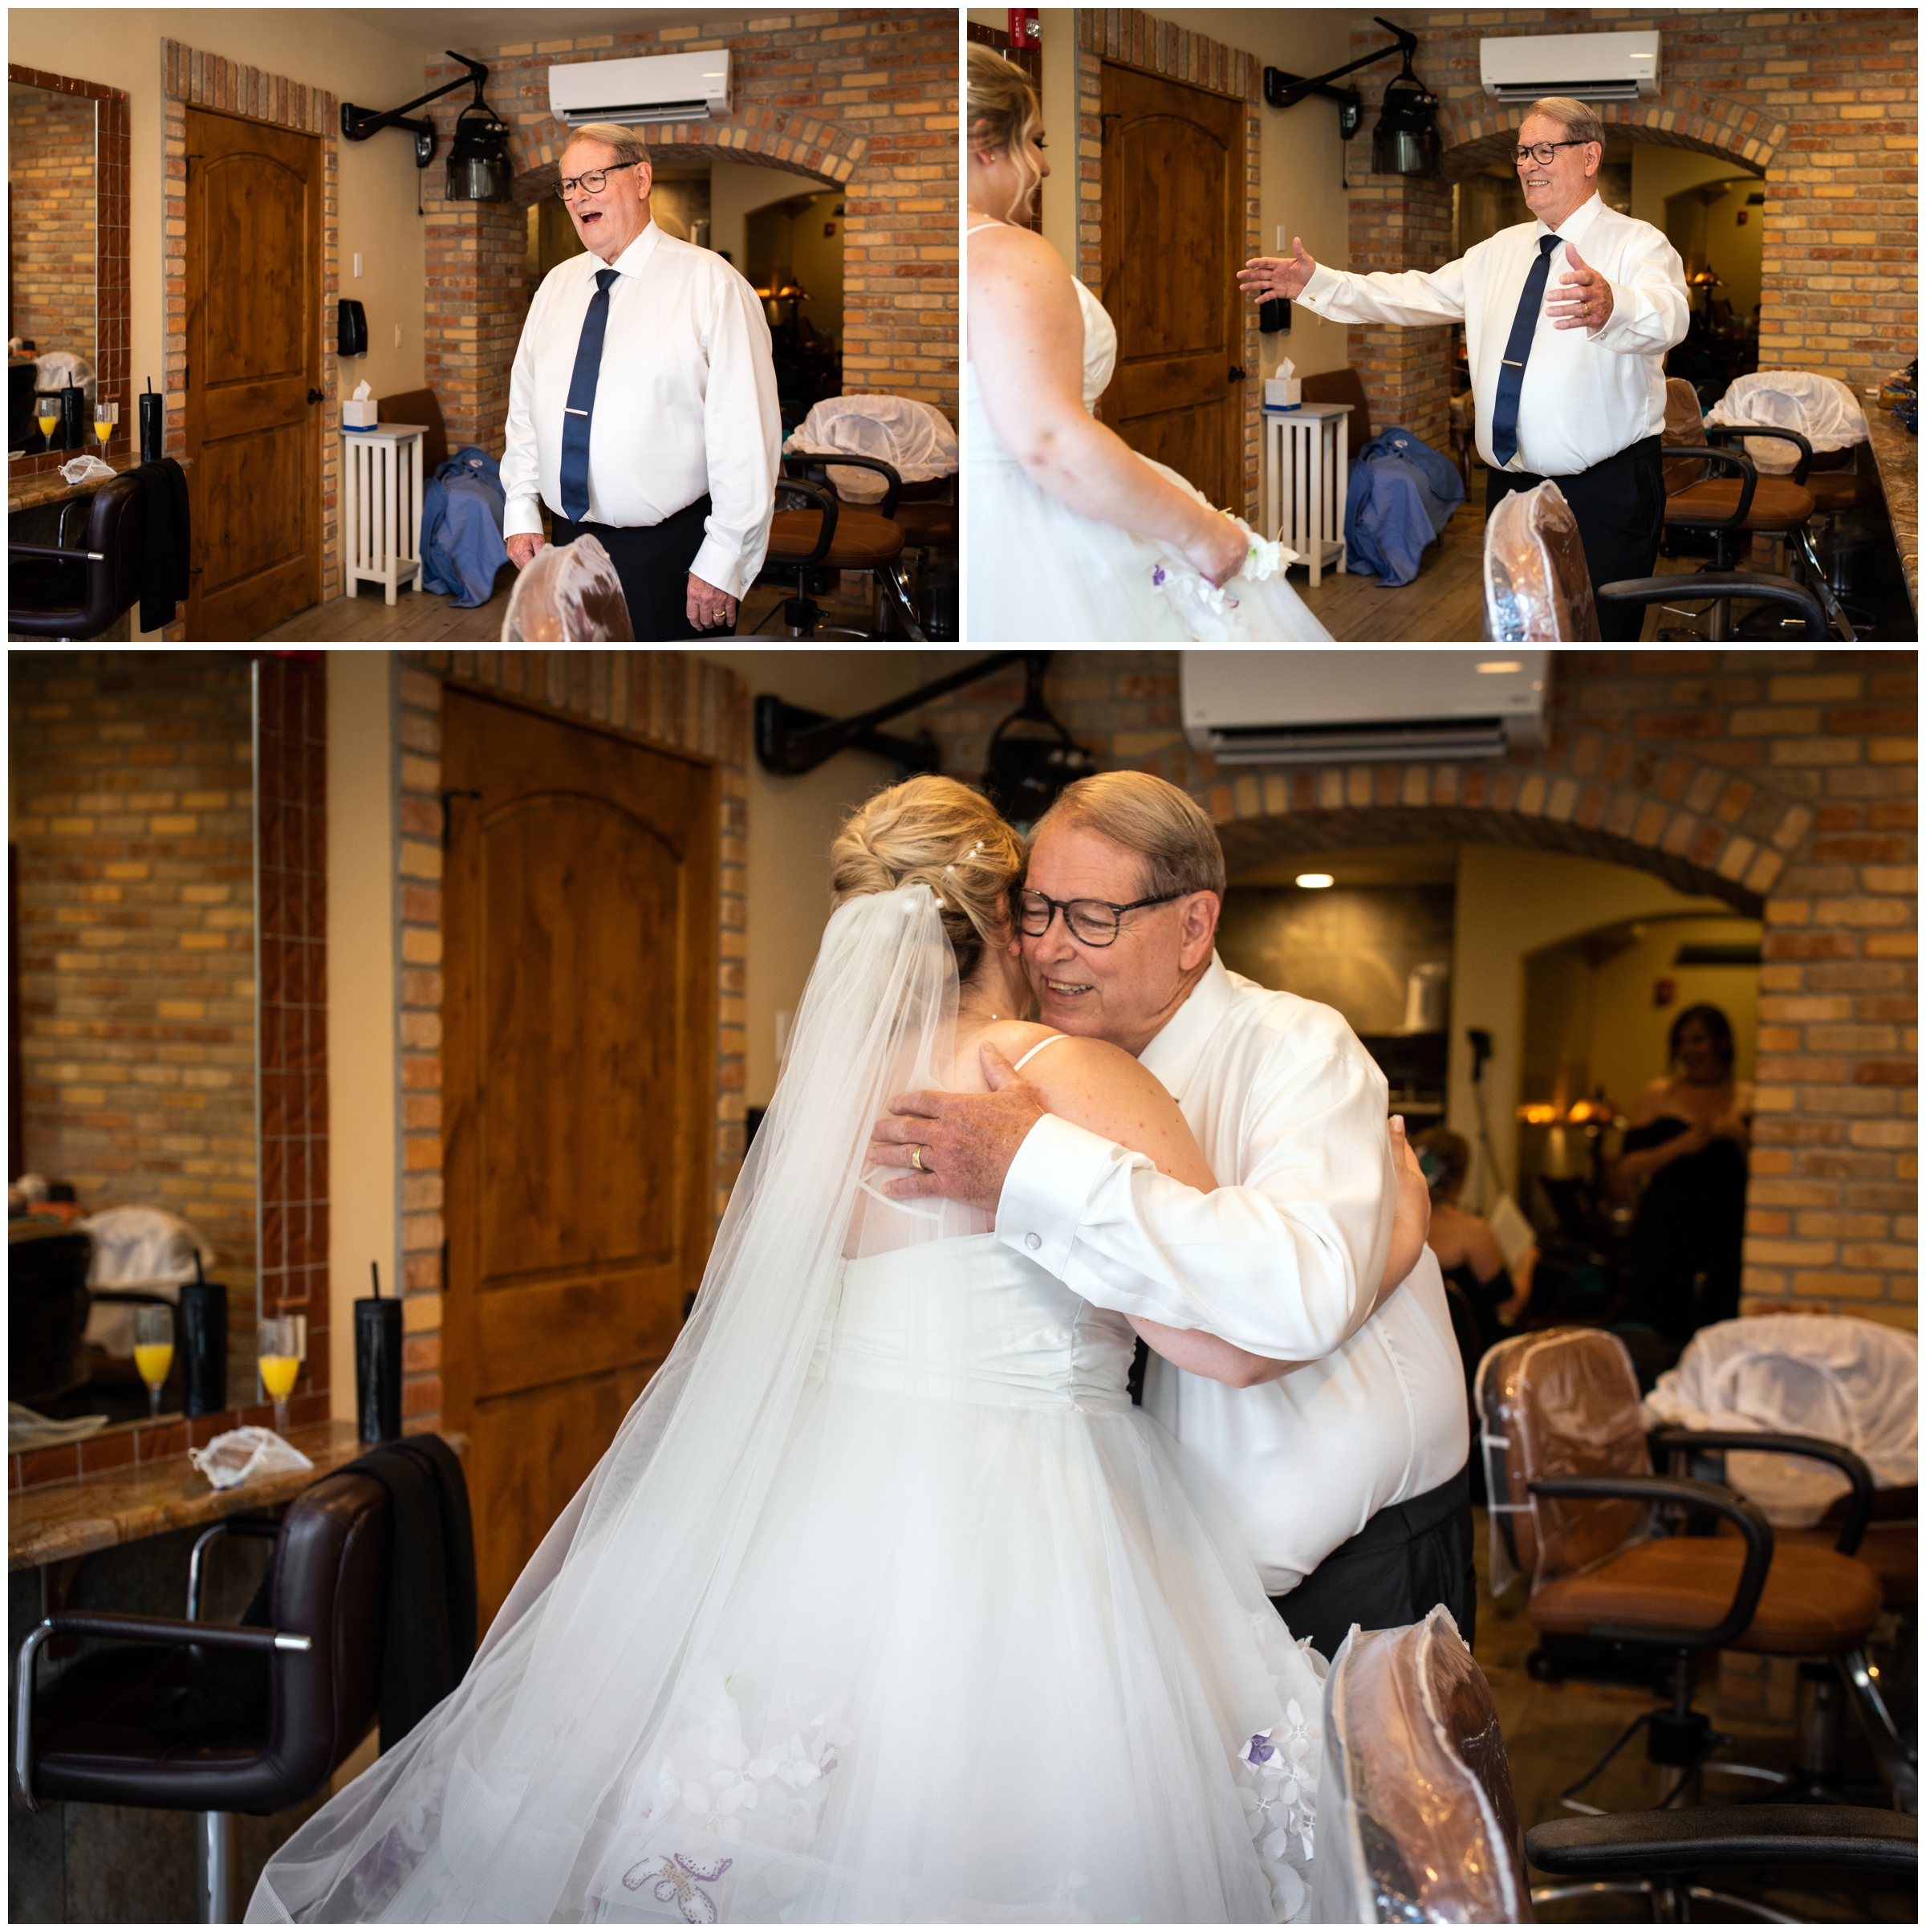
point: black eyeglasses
(1095, 921)
(1541, 151)
(593, 182)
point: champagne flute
(154, 1351)
(47, 412)
(278, 1349)
(107, 418)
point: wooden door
(253, 360)
(579, 918)
(1173, 230)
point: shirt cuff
(1048, 1188)
(1321, 287)
(522, 516)
(716, 564)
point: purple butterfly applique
(676, 1884)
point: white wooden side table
(381, 505)
(1306, 476)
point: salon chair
(829, 537)
(47, 1307)
(90, 1737)
(1342, 385)
(76, 592)
(1577, 1509)
(917, 513)
(1537, 589)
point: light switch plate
(397, 335)
(357, 265)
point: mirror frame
(112, 309)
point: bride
(885, 1605)
(1074, 537)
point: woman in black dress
(1684, 1147)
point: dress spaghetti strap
(981, 226)
(1038, 1048)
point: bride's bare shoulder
(1011, 1038)
(1003, 251)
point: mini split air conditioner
(649, 92)
(1585, 67)
(1315, 707)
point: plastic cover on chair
(568, 595)
(916, 440)
(1820, 407)
(1561, 1402)
(1849, 1381)
(1416, 1822)
(1537, 587)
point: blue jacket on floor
(462, 512)
(1402, 494)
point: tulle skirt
(982, 1662)
(1041, 572)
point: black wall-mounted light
(477, 164)
(1406, 139)
(1026, 770)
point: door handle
(315, 395)
(1237, 374)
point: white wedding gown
(977, 1644)
(1041, 572)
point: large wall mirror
(66, 280)
(152, 795)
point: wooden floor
(424, 617)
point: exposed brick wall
(1785, 783)
(860, 98)
(191, 78)
(1823, 101)
(51, 206)
(659, 697)
(133, 778)
(1129, 37)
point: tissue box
(1284, 393)
(358, 415)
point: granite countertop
(60, 1520)
(51, 487)
(1897, 454)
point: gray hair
(629, 146)
(1578, 121)
(1168, 828)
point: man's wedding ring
(916, 1158)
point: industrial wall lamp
(1405, 141)
(478, 164)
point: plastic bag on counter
(242, 1454)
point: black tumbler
(74, 425)
(203, 1321)
(378, 1367)
(153, 426)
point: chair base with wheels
(826, 537)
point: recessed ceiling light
(1497, 665)
(1311, 880)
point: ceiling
(1361, 865)
(433, 28)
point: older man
(1348, 1476)
(1568, 385)
(642, 408)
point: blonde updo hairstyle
(1004, 111)
(937, 833)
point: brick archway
(1475, 131)
(793, 144)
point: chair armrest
(263, 1527)
(1732, 459)
(131, 1629)
(1727, 1837)
(891, 476)
(1689, 589)
(48, 550)
(1785, 436)
(825, 500)
(1748, 1516)
(1814, 1448)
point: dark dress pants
(1409, 1556)
(652, 562)
(1620, 506)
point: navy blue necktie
(1511, 374)
(576, 418)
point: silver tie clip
(567, 411)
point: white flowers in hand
(1210, 604)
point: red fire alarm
(1026, 30)
(829, 228)
(1664, 992)
(1742, 218)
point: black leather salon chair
(110, 1731)
(76, 591)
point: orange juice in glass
(154, 1351)
(279, 1354)
(106, 416)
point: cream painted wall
(735, 189)
(1736, 254)
(364, 1203)
(791, 821)
(1628, 1032)
(1512, 902)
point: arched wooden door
(580, 925)
(1173, 226)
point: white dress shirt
(1282, 1259)
(1587, 394)
(685, 404)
